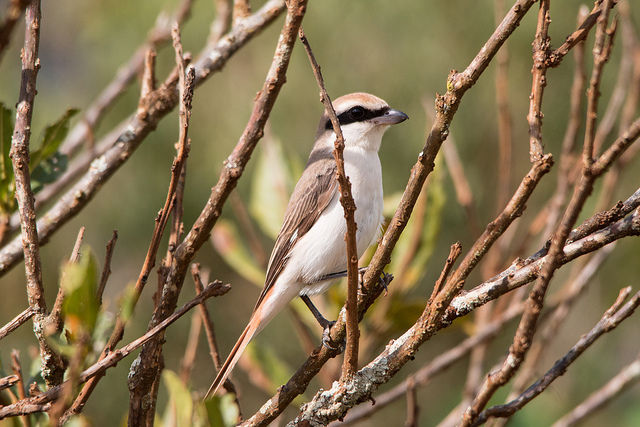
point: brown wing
(312, 194)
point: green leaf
(80, 307)
(180, 406)
(48, 170)
(222, 410)
(271, 187)
(51, 139)
(226, 240)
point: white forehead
(360, 99)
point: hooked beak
(390, 117)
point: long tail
(235, 354)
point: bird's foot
(384, 280)
(326, 337)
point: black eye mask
(356, 114)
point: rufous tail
(235, 354)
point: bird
(310, 251)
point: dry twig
(350, 365)
(42, 402)
(146, 368)
(157, 105)
(611, 319)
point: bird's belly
(322, 250)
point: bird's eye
(356, 113)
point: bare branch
(350, 365)
(229, 176)
(159, 35)
(17, 322)
(627, 377)
(42, 402)
(160, 103)
(53, 367)
(611, 319)
(106, 268)
(541, 51)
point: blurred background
(399, 51)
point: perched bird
(310, 251)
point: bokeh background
(400, 51)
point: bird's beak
(390, 117)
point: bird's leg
(339, 275)
(324, 323)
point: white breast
(322, 250)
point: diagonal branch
(446, 105)
(146, 365)
(42, 402)
(611, 319)
(158, 104)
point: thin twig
(413, 409)
(221, 23)
(350, 365)
(611, 319)
(42, 402)
(17, 370)
(556, 56)
(9, 381)
(159, 35)
(19, 320)
(627, 377)
(160, 103)
(567, 157)
(601, 52)
(454, 253)
(55, 317)
(106, 268)
(541, 51)
(201, 229)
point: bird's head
(363, 119)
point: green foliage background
(400, 51)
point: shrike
(310, 251)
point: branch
(16, 322)
(447, 105)
(106, 268)
(159, 35)
(229, 176)
(42, 402)
(158, 104)
(346, 200)
(611, 319)
(627, 377)
(53, 367)
(541, 51)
